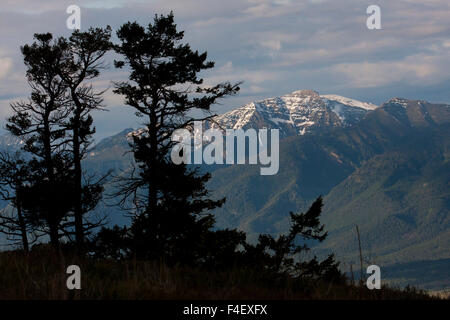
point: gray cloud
(274, 46)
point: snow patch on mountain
(8, 141)
(399, 101)
(349, 102)
(300, 112)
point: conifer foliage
(55, 126)
(170, 201)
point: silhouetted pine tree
(286, 253)
(38, 123)
(83, 54)
(56, 127)
(169, 200)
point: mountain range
(301, 112)
(385, 169)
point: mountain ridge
(300, 112)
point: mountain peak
(399, 101)
(305, 92)
(300, 112)
(416, 113)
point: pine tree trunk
(79, 233)
(53, 226)
(152, 196)
(77, 209)
(54, 239)
(23, 229)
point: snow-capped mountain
(9, 142)
(301, 112)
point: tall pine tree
(37, 122)
(169, 200)
(56, 127)
(83, 60)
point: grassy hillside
(42, 275)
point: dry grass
(42, 275)
(442, 294)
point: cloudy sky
(274, 46)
